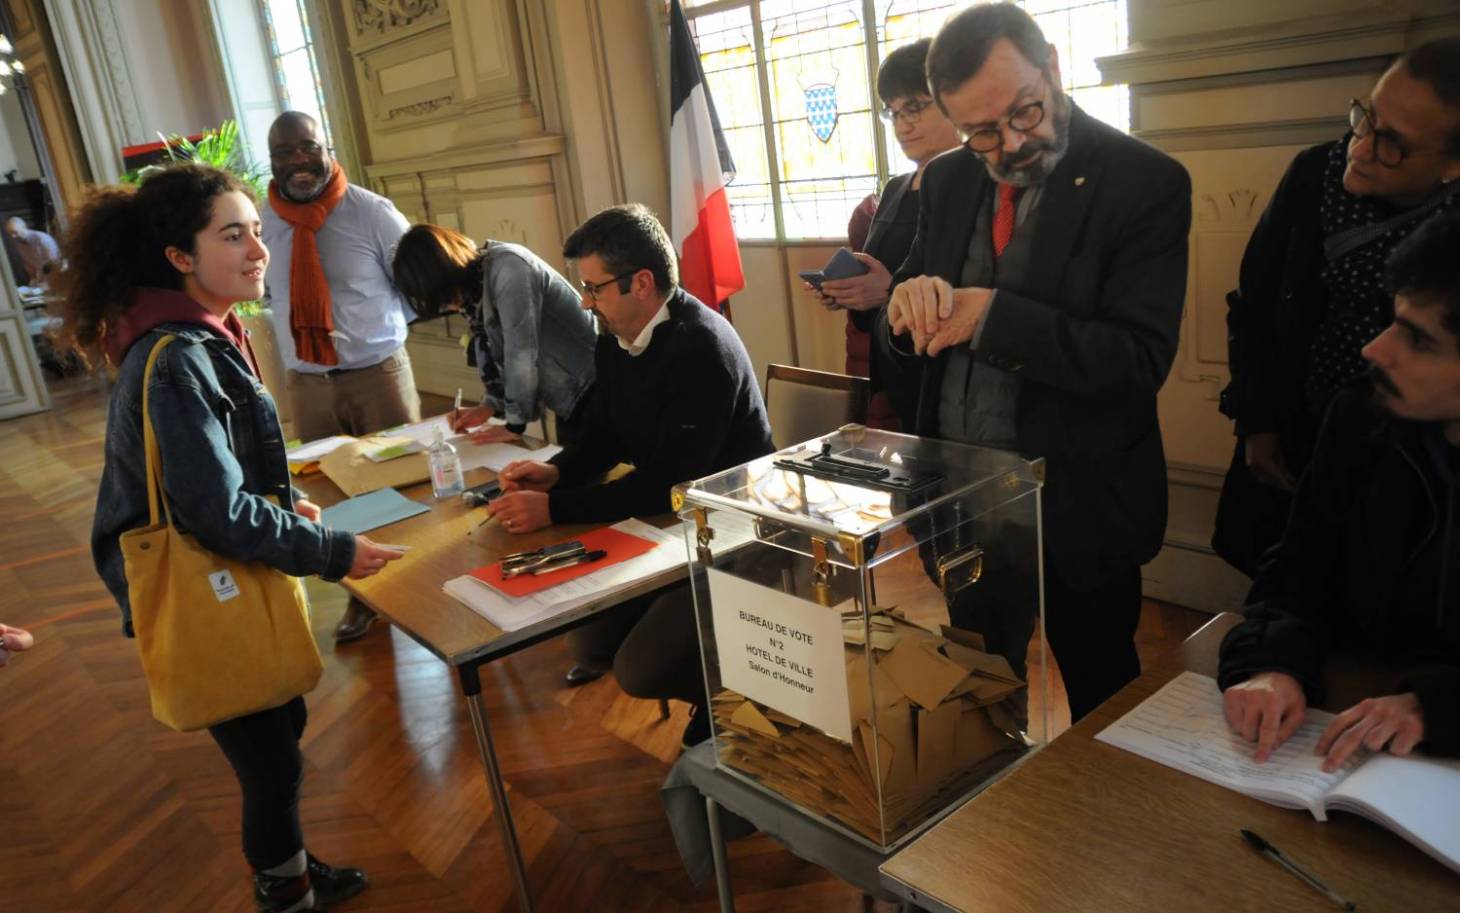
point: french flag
(699, 168)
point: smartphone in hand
(843, 265)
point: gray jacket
(531, 339)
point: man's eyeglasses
(912, 112)
(1024, 119)
(591, 288)
(1388, 148)
(284, 153)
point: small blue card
(363, 513)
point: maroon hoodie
(152, 307)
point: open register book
(1183, 726)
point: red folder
(620, 546)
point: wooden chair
(803, 404)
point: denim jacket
(222, 456)
(533, 342)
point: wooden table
(445, 543)
(1088, 827)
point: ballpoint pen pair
(548, 559)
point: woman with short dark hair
(923, 132)
(530, 340)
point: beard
(318, 179)
(1381, 382)
(1044, 154)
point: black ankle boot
(333, 885)
(275, 893)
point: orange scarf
(310, 317)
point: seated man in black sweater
(1370, 559)
(677, 399)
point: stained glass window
(291, 50)
(807, 61)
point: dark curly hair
(117, 241)
(1423, 268)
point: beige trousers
(357, 402)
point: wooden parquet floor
(103, 810)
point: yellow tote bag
(219, 638)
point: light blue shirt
(356, 245)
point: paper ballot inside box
(782, 652)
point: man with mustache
(1370, 559)
(1311, 289)
(1041, 303)
(339, 319)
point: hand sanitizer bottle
(446, 480)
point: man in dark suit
(1041, 302)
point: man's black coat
(1091, 333)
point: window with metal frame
(292, 56)
(794, 85)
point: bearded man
(338, 316)
(1040, 304)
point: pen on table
(585, 558)
(1273, 853)
(455, 408)
(489, 519)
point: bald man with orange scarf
(339, 319)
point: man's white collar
(641, 342)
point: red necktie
(1004, 217)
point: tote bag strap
(149, 441)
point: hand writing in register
(308, 510)
(935, 313)
(1396, 721)
(1266, 709)
(521, 511)
(467, 419)
(528, 475)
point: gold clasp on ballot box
(960, 570)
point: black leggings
(263, 748)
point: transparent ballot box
(871, 623)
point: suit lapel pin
(1080, 181)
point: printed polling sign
(781, 651)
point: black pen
(1273, 853)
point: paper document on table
(494, 456)
(1183, 726)
(363, 513)
(511, 614)
(424, 431)
(314, 450)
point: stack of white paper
(512, 613)
(316, 450)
